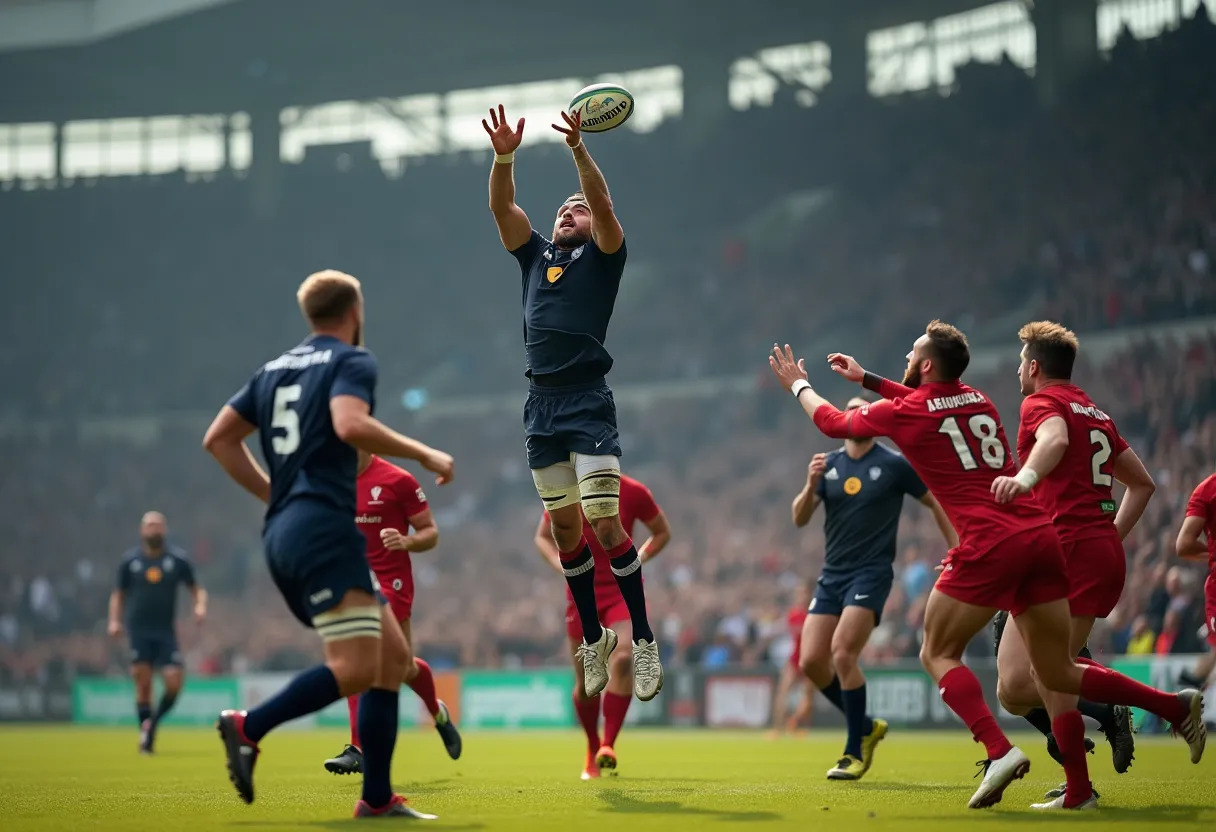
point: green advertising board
(523, 699)
(105, 701)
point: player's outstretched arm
(1189, 545)
(1130, 471)
(660, 536)
(808, 498)
(605, 228)
(1050, 443)
(355, 425)
(546, 545)
(847, 367)
(225, 440)
(514, 229)
(864, 423)
(943, 522)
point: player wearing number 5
(1009, 557)
(569, 290)
(311, 408)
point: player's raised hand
(504, 139)
(786, 367)
(819, 464)
(1005, 489)
(439, 464)
(846, 366)
(573, 129)
(393, 539)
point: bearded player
(637, 504)
(1201, 521)
(390, 500)
(569, 290)
(1008, 557)
(1076, 454)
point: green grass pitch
(93, 779)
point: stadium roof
(143, 57)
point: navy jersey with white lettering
(287, 400)
(568, 299)
(149, 587)
(862, 499)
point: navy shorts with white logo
(155, 649)
(315, 554)
(572, 419)
(867, 588)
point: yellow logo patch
(153, 575)
(554, 273)
(852, 485)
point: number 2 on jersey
(983, 427)
(1101, 454)
(286, 420)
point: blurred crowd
(1100, 212)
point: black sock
(144, 710)
(1041, 720)
(627, 569)
(167, 701)
(832, 693)
(1103, 714)
(307, 693)
(579, 569)
(855, 717)
(378, 732)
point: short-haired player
(862, 488)
(569, 290)
(792, 680)
(311, 408)
(396, 521)
(1009, 557)
(1072, 454)
(637, 506)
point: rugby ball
(604, 107)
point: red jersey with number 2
(952, 436)
(1078, 492)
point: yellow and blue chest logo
(553, 273)
(153, 575)
(852, 486)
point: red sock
(1100, 684)
(1069, 730)
(352, 704)
(615, 708)
(588, 711)
(962, 693)
(424, 685)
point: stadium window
(240, 141)
(1143, 18)
(755, 79)
(538, 102)
(27, 151)
(82, 148)
(924, 55)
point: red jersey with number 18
(952, 436)
(1077, 493)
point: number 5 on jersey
(982, 427)
(286, 419)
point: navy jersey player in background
(312, 408)
(144, 602)
(569, 289)
(862, 488)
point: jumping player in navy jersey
(569, 289)
(862, 488)
(312, 408)
(144, 603)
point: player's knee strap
(600, 491)
(356, 622)
(556, 485)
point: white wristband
(577, 146)
(1027, 478)
(504, 158)
(798, 386)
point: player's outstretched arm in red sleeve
(847, 367)
(871, 420)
